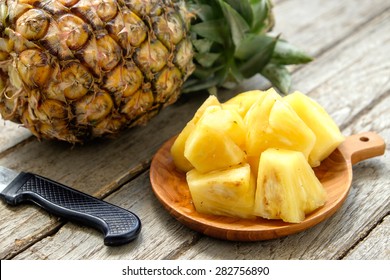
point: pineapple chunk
(208, 149)
(226, 121)
(242, 102)
(212, 100)
(228, 192)
(177, 149)
(272, 123)
(328, 135)
(288, 130)
(287, 187)
(256, 121)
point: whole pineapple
(77, 69)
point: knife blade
(118, 225)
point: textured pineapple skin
(77, 69)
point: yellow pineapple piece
(272, 123)
(328, 135)
(226, 121)
(288, 131)
(208, 149)
(177, 149)
(287, 187)
(242, 102)
(212, 100)
(228, 192)
(256, 121)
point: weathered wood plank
(37, 225)
(361, 78)
(322, 24)
(376, 246)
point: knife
(118, 225)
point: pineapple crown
(232, 42)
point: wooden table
(350, 77)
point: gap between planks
(363, 237)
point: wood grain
(39, 225)
(318, 26)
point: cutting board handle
(363, 146)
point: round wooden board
(170, 186)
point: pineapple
(208, 149)
(227, 192)
(287, 187)
(207, 132)
(258, 137)
(242, 102)
(77, 69)
(74, 70)
(177, 149)
(272, 123)
(227, 121)
(328, 135)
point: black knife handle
(119, 225)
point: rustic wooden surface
(350, 77)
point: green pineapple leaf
(262, 16)
(287, 54)
(251, 45)
(214, 30)
(279, 76)
(238, 26)
(243, 7)
(253, 65)
(202, 45)
(207, 59)
(232, 43)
